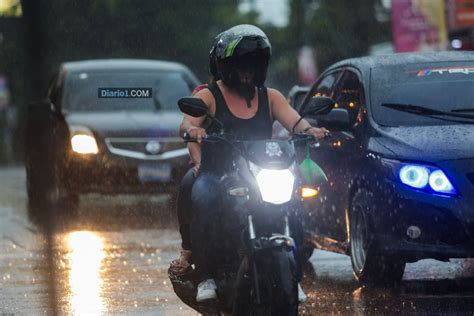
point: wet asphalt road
(113, 259)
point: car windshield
(81, 91)
(447, 87)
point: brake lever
(187, 138)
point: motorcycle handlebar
(211, 137)
(208, 137)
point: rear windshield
(81, 91)
(440, 86)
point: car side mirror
(315, 106)
(337, 120)
(41, 108)
(296, 95)
(318, 106)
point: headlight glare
(84, 144)
(276, 186)
(439, 182)
(82, 140)
(428, 178)
(414, 176)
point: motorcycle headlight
(83, 141)
(423, 177)
(276, 186)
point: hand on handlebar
(195, 133)
(318, 132)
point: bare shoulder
(274, 94)
(205, 95)
(276, 99)
(208, 98)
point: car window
(81, 91)
(348, 94)
(322, 87)
(445, 87)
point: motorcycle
(259, 196)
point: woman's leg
(205, 200)
(182, 265)
(184, 208)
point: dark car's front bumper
(118, 172)
(445, 223)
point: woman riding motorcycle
(182, 265)
(247, 109)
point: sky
(271, 11)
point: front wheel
(368, 263)
(277, 286)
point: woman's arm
(288, 116)
(193, 126)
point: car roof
(113, 65)
(368, 62)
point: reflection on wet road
(84, 262)
(113, 259)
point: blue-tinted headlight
(414, 176)
(427, 178)
(439, 182)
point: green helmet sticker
(230, 48)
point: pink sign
(419, 25)
(307, 72)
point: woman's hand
(196, 168)
(317, 132)
(196, 133)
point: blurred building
(432, 25)
(460, 18)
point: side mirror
(318, 105)
(194, 107)
(40, 109)
(315, 106)
(337, 120)
(296, 95)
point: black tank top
(217, 158)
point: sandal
(182, 265)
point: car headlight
(276, 186)
(83, 141)
(423, 177)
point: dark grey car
(108, 126)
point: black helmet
(242, 45)
(212, 58)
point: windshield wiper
(421, 110)
(462, 110)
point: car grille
(470, 176)
(137, 147)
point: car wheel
(369, 264)
(307, 252)
(47, 197)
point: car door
(337, 156)
(315, 217)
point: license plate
(160, 172)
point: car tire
(370, 265)
(307, 252)
(45, 198)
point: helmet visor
(248, 45)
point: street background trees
(49, 32)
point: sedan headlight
(83, 141)
(423, 177)
(276, 186)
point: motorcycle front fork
(252, 234)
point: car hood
(129, 124)
(429, 143)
